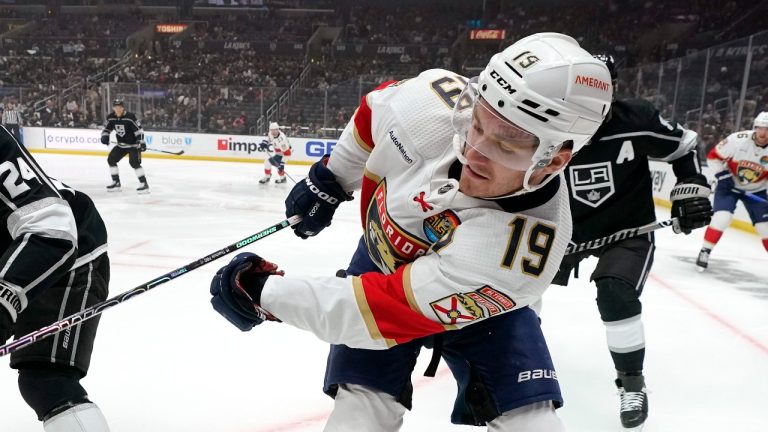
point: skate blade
(114, 190)
(700, 269)
(143, 192)
(635, 429)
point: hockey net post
(619, 235)
(98, 308)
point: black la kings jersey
(127, 129)
(609, 180)
(50, 228)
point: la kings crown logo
(592, 184)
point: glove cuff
(319, 173)
(683, 191)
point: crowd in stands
(55, 67)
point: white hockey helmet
(546, 85)
(274, 126)
(761, 120)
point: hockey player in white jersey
(465, 221)
(278, 141)
(740, 163)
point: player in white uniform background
(465, 221)
(278, 141)
(740, 163)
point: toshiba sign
(170, 28)
(487, 34)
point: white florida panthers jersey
(447, 259)
(747, 161)
(280, 144)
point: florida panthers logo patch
(466, 307)
(749, 172)
(389, 245)
(592, 184)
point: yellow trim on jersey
(740, 225)
(408, 290)
(372, 176)
(360, 143)
(365, 312)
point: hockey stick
(619, 235)
(751, 196)
(178, 153)
(98, 308)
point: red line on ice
(706, 311)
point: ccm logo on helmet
(502, 82)
(322, 195)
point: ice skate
(703, 260)
(114, 187)
(634, 401)
(143, 188)
(265, 179)
(280, 180)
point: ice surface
(165, 361)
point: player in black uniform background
(130, 141)
(610, 190)
(54, 263)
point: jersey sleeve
(108, 127)
(718, 157)
(472, 275)
(356, 143)
(40, 224)
(139, 132)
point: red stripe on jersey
(713, 154)
(391, 311)
(733, 167)
(363, 118)
(287, 152)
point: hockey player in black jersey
(610, 190)
(130, 141)
(54, 263)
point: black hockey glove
(264, 146)
(8, 300)
(142, 146)
(315, 199)
(236, 290)
(105, 140)
(690, 204)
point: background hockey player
(740, 162)
(54, 263)
(465, 217)
(130, 141)
(610, 190)
(281, 148)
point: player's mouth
(474, 174)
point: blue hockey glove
(264, 146)
(315, 199)
(236, 290)
(724, 180)
(105, 139)
(690, 204)
(276, 160)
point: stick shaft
(619, 235)
(98, 308)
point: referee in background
(12, 120)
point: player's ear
(561, 159)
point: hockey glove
(724, 180)
(10, 306)
(105, 140)
(690, 204)
(315, 199)
(142, 146)
(264, 146)
(236, 290)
